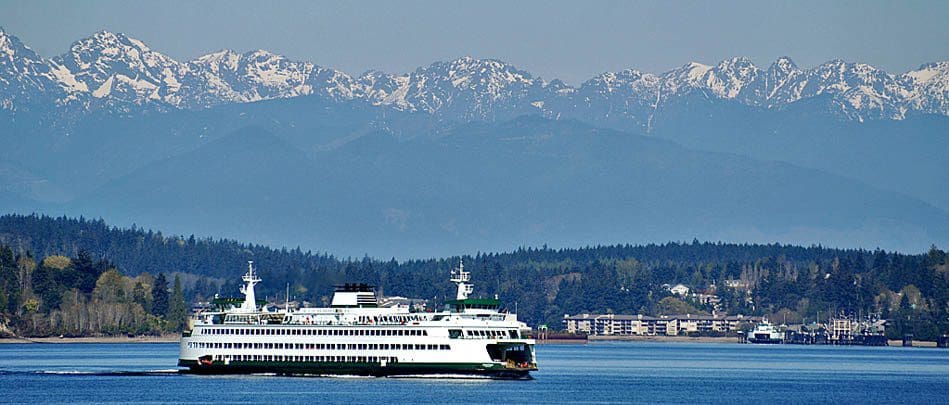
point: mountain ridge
(122, 70)
(530, 181)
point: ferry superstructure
(355, 336)
(765, 332)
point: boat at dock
(765, 332)
(357, 336)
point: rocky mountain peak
(783, 64)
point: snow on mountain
(121, 68)
(930, 84)
(381, 88)
(777, 86)
(227, 76)
(862, 91)
(109, 69)
(26, 79)
(730, 77)
(628, 95)
(684, 78)
(465, 88)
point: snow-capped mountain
(28, 80)
(465, 88)
(227, 76)
(109, 69)
(930, 84)
(115, 67)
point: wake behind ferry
(355, 336)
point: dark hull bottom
(359, 369)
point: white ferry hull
(456, 357)
(498, 371)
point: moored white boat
(765, 332)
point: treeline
(790, 283)
(81, 296)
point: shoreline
(665, 339)
(174, 338)
(723, 339)
(168, 338)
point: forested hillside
(542, 284)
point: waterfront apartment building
(643, 325)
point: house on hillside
(680, 290)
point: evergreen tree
(177, 309)
(160, 296)
(9, 282)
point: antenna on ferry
(250, 280)
(461, 277)
(288, 298)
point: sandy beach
(94, 339)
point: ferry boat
(356, 336)
(765, 332)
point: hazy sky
(571, 41)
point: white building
(643, 325)
(680, 290)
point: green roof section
(475, 301)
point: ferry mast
(250, 280)
(462, 279)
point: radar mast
(462, 278)
(250, 280)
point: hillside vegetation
(78, 276)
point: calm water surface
(593, 373)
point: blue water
(593, 373)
